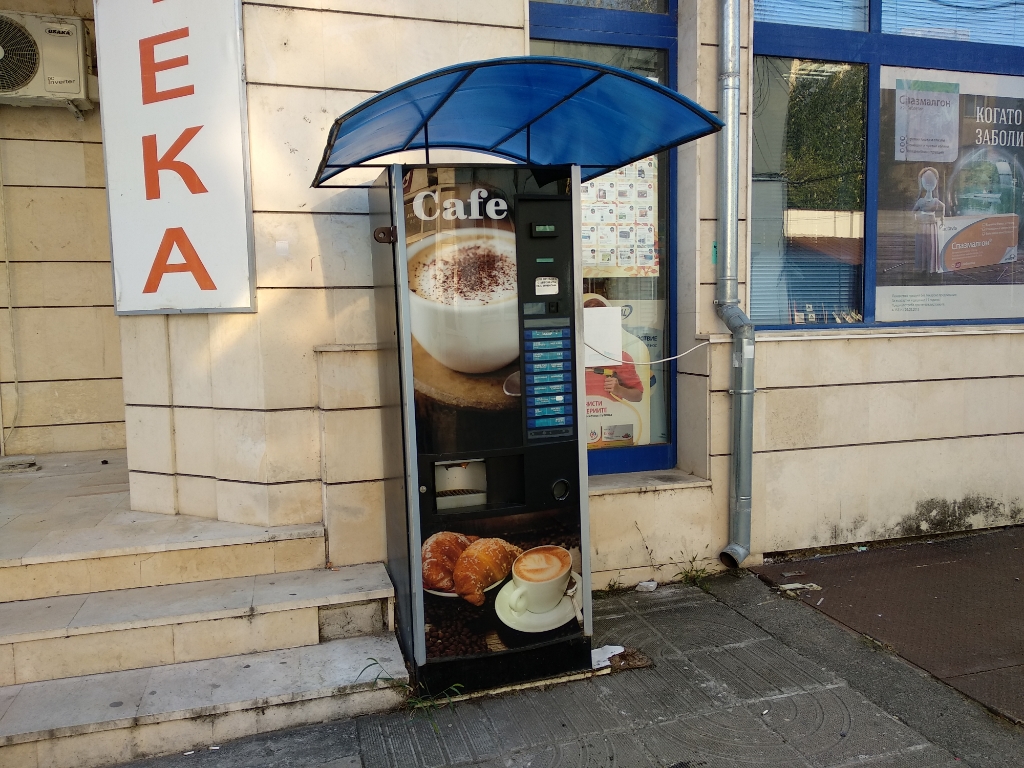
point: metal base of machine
(547, 658)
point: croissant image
(440, 552)
(484, 562)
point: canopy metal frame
(327, 169)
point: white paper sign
(546, 286)
(927, 121)
(174, 131)
(602, 336)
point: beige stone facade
(275, 418)
(60, 366)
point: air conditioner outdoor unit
(43, 61)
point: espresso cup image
(540, 576)
(462, 298)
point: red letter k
(152, 165)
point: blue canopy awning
(530, 109)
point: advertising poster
(495, 578)
(625, 399)
(950, 196)
(464, 312)
(620, 215)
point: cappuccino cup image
(462, 298)
(540, 576)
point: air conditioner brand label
(62, 60)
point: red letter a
(175, 236)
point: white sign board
(602, 335)
(176, 149)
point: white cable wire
(652, 362)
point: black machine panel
(544, 246)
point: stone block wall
(60, 365)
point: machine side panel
(388, 364)
(581, 386)
(412, 479)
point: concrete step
(127, 550)
(72, 635)
(99, 720)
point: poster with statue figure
(950, 196)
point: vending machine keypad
(549, 382)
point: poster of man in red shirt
(619, 381)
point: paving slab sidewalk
(741, 677)
(950, 606)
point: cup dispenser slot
(460, 484)
(496, 481)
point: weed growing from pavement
(614, 584)
(650, 552)
(418, 702)
(691, 573)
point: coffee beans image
(453, 631)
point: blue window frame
(876, 49)
(601, 26)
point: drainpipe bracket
(742, 391)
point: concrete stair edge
(358, 650)
(374, 584)
(163, 543)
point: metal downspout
(727, 291)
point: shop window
(835, 14)
(625, 237)
(626, 266)
(942, 168)
(642, 6)
(977, 21)
(950, 195)
(808, 193)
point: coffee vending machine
(477, 274)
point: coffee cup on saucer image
(462, 298)
(540, 576)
